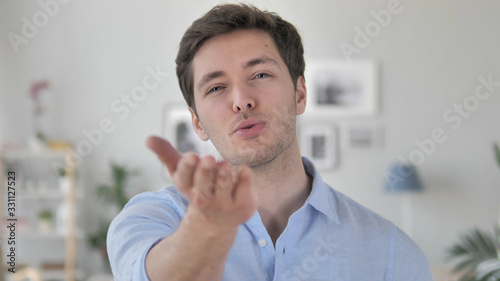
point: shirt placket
(264, 245)
(289, 234)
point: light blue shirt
(330, 237)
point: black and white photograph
(179, 131)
(319, 143)
(338, 88)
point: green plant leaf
(98, 239)
(496, 148)
(45, 214)
(112, 194)
(488, 270)
(41, 136)
(473, 250)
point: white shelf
(54, 274)
(35, 162)
(55, 194)
(59, 274)
(34, 235)
(50, 235)
(28, 154)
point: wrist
(198, 220)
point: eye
(215, 89)
(262, 75)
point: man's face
(245, 98)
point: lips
(249, 128)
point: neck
(280, 180)
(282, 186)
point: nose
(243, 100)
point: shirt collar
(321, 196)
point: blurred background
(71, 74)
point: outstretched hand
(209, 185)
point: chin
(254, 158)
(256, 154)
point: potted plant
(496, 148)
(476, 256)
(112, 195)
(38, 140)
(477, 253)
(63, 180)
(45, 219)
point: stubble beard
(283, 133)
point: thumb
(165, 151)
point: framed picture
(319, 143)
(366, 137)
(341, 89)
(178, 130)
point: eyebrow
(261, 60)
(209, 76)
(253, 62)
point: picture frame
(365, 137)
(319, 143)
(179, 131)
(341, 89)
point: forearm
(219, 202)
(197, 250)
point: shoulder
(341, 208)
(359, 221)
(404, 257)
(350, 211)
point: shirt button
(262, 243)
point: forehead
(234, 49)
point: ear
(301, 95)
(197, 126)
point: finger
(165, 151)
(183, 177)
(242, 191)
(199, 201)
(224, 180)
(204, 176)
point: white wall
(430, 57)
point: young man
(263, 213)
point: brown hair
(226, 18)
